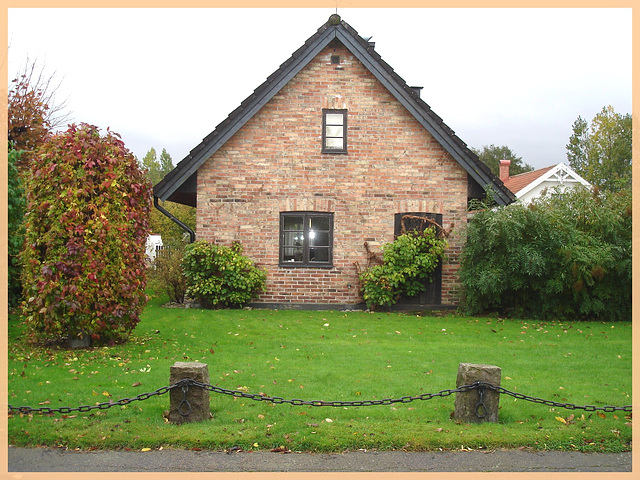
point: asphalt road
(58, 460)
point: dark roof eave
(249, 107)
(421, 111)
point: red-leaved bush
(88, 207)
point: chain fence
(184, 409)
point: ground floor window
(306, 239)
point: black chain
(550, 403)
(100, 406)
(261, 397)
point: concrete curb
(169, 460)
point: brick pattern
(274, 164)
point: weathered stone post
(197, 407)
(467, 408)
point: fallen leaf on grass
(566, 421)
(136, 384)
(145, 450)
(281, 449)
(602, 415)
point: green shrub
(15, 212)
(219, 276)
(88, 206)
(166, 272)
(563, 256)
(407, 263)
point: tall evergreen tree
(166, 163)
(151, 165)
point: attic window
(335, 59)
(334, 131)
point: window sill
(336, 152)
(321, 266)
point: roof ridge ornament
(334, 19)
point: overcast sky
(165, 78)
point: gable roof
(560, 173)
(518, 182)
(179, 185)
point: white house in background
(153, 242)
(530, 185)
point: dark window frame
(307, 250)
(342, 112)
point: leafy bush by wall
(565, 256)
(15, 225)
(407, 263)
(88, 206)
(220, 276)
(166, 272)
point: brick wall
(274, 164)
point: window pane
(293, 239)
(334, 119)
(292, 254)
(319, 254)
(335, 132)
(293, 223)
(319, 238)
(321, 223)
(336, 143)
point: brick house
(326, 155)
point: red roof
(518, 182)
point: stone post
(198, 408)
(466, 404)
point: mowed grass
(331, 356)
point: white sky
(165, 78)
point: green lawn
(328, 356)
